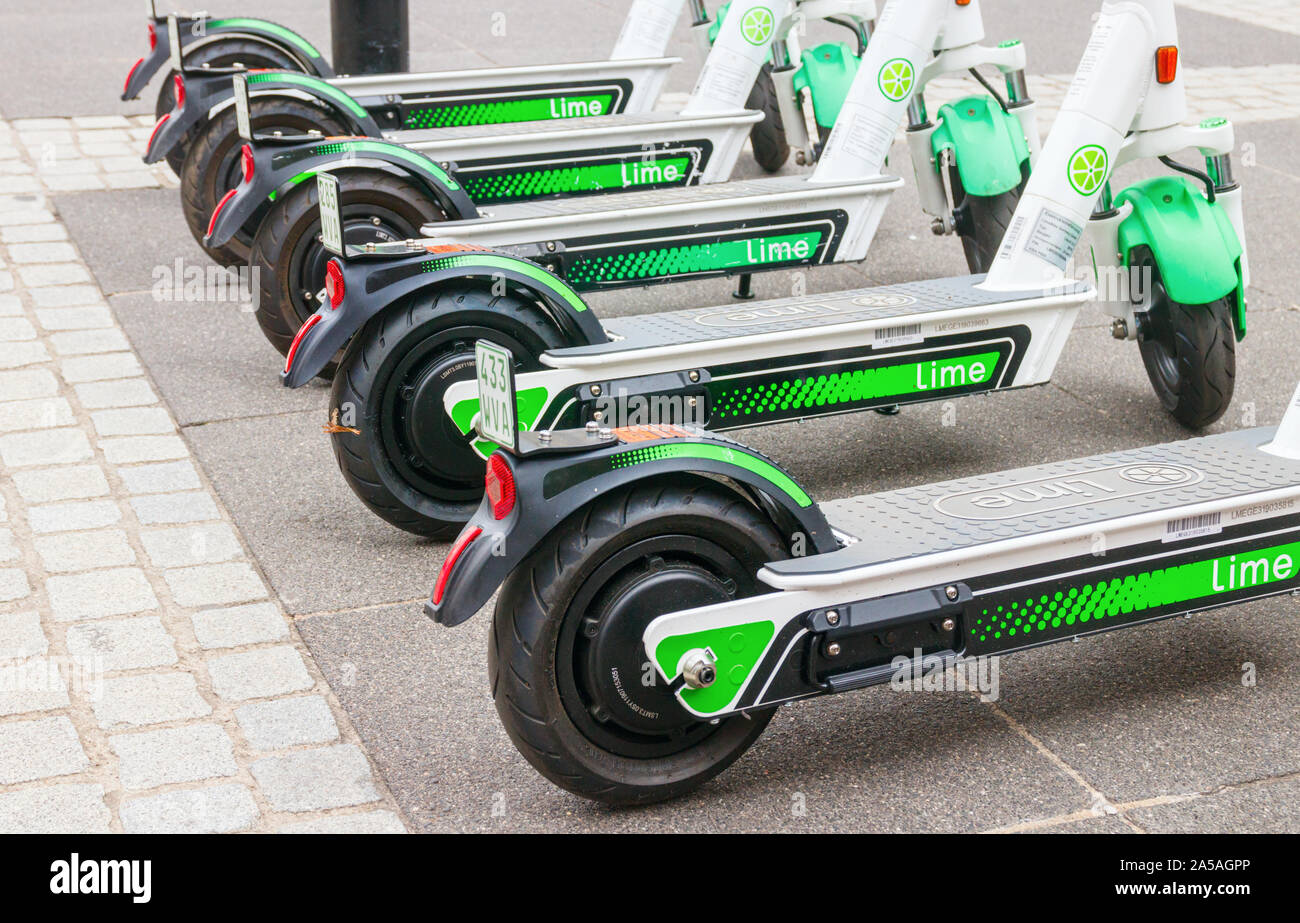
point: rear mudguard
(199, 32)
(207, 94)
(278, 168)
(988, 145)
(373, 283)
(553, 485)
(1192, 239)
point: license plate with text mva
(498, 413)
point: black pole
(370, 36)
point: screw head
(544, 436)
(949, 624)
(832, 617)
(951, 592)
(596, 391)
(694, 375)
(833, 649)
(550, 246)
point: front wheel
(409, 463)
(288, 261)
(982, 222)
(768, 139)
(568, 669)
(1189, 350)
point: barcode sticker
(898, 336)
(1193, 527)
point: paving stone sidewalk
(147, 682)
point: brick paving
(147, 681)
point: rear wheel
(288, 261)
(982, 221)
(410, 464)
(212, 164)
(566, 660)
(234, 52)
(1190, 351)
(771, 148)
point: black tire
(1190, 351)
(409, 464)
(212, 165)
(637, 553)
(982, 221)
(225, 53)
(288, 261)
(771, 149)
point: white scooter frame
(960, 335)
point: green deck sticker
(486, 187)
(1073, 609)
(813, 392)
(716, 256)
(499, 112)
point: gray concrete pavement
(1149, 729)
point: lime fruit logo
(757, 25)
(896, 79)
(1088, 168)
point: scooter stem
(1286, 444)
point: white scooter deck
(1000, 562)
(773, 221)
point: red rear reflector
(179, 83)
(334, 288)
(246, 162)
(129, 74)
(212, 222)
(297, 341)
(452, 557)
(153, 37)
(154, 133)
(500, 484)
(1167, 63)
(963, 2)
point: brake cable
(1192, 172)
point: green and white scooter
(578, 144)
(663, 589)
(204, 51)
(413, 310)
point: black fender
(550, 486)
(278, 168)
(201, 31)
(371, 285)
(210, 93)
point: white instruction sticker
(1054, 238)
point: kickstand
(892, 410)
(745, 291)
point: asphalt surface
(1142, 718)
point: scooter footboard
(998, 563)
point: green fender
(988, 144)
(827, 71)
(1193, 241)
(717, 22)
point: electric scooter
(692, 561)
(563, 131)
(288, 261)
(209, 49)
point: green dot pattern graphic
(496, 187)
(1090, 605)
(653, 263)
(733, 404)
(506, 111)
